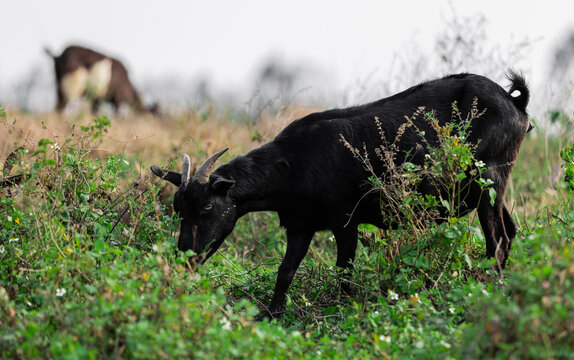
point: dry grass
(147, 139)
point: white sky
(226, 40)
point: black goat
(313, 182)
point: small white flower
(332, 238)
(451, 310)
(318, 352)
(445, 344)
(9, 218)
(485, 292)
(385, 338)
(480, 164)
(56, 146)
(417, 298)
(60, 292)
(226, 324)
(500, 282)
(13, 240)
(376, 312)
(469, 295)
(1, 249)
(154, 247)
(427, 156)
(393, 295)
(28, 303)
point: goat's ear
(171, 176)
(220, 184)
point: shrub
(531, 316)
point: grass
(88, 267)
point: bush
(531, 317)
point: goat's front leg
(509, 225)
(297, 246)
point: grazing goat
(84, 73)
(314, 183)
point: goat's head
(206, 211)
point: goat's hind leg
(346, 239)
(498, 239)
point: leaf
(451, 234)
(484, 182)
(445, 203)
(410, 167)
(330, 310)
(90, 289)
(44, 142)
(492, 194)
(99, 245)
(468, 261)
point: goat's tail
(519, 84)
(49, 52)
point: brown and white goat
(85, 73)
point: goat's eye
(208, 207)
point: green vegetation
(89, 268)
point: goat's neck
(258, 181)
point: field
(89, 268)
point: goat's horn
(185, 170)
(202, 175)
